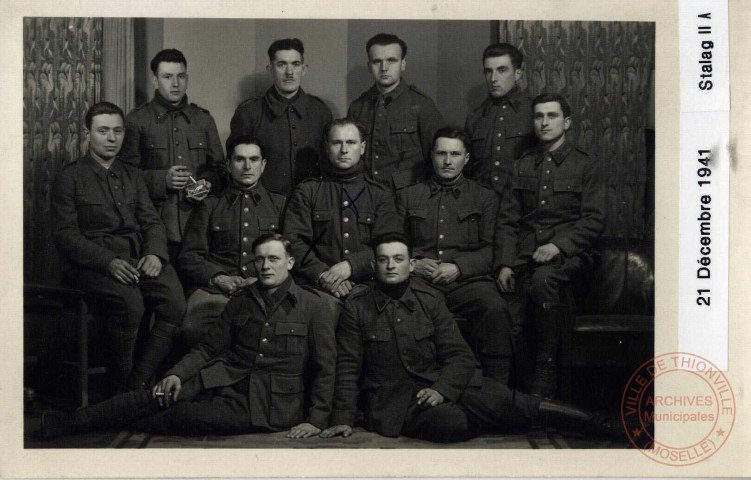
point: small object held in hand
(197, 188)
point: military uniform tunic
(399, 130)
(291, 134)
(500, 130)
(334, 219)
(158, 137)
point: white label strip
(705, 168)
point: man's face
(386, 64)
(550, 123)
(288, 69)
(449, 157)
(171, 81)
(500, 75)
(392, 263)
(345, 146)
(106, 136)
(246, 165)
(273, 264)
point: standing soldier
(451, 222)
(288, 121)
(399, 119)
(500, 128)
(175, 143)
(549, 217)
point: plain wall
(227, 60)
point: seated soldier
(332, 220)
(216, 258)
(549, 217)
(246, 375)
(419, 377)
(450, 220)
(113, 246)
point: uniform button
(377, 157)
(246, 209)
(345, 219)
(568, 187)
(273, 226)
(495, 178)
(500, 135)
(375, 172)
(367, 219)
(244, 268)
(247, 196)
(398, 320)
(500, 118)
(346, 251)
(119, 203)
(294, 127)
(116, 187)
(440, 236)
(443, 206)
(245, 224)
(542, 202)
(174, 129)
(345, 203)
(260, 355)
(266, 324)
(440, 252)
(550, 159)
(440, 221)
(294, 144)
(544, 187)
(179, 157)
(372, 337)
(346, 235)
(264, 340)
(547, 171)
(245, 254)
(177, 142)
(216, 227)
(539, 231)
(497, 163)
(504, 107)
(498, 149)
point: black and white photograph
(329, 238)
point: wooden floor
(359, 439)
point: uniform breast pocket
(154, 152)
(291, 338)
(365, 223)
(197, 145)
(480, 148)
(418, 228)
(404, 139)
(268, 223)
(90, 210)
(425, 342)
(567, 193)
(469, 222)
(220, 233)
(321, 223)
(526, 188)
(376, 343)
(520, 138)
(286, 406)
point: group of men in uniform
(385, 221)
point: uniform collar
(455, 188)
(233, 193)
(558, 155)
(162, 112)
(393, 94)
(293, 292)
(299, 105)
(382, 300)
(100, 171)
(513, 98)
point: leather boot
(156, 350)
(562, 416)
(497, 368)
(118, 411)
(548, 325)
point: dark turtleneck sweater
(395, 291)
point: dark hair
(553, 97)
(233, 142)
(384, 39)
(455, 133)
(102, 108)
(340, 122)
(391, 237)
(501, 49)
(169, 55)
(285, 44)
(273, 237)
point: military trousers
(203, 309)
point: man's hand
(150, 266)
(331, 278)
(227, 283)
(429, 397)
(343, 430)
(304, 430)
(123, 271)
(545, 253)
(177, 177)
(343, 289)
(506, 281)
(445, 273)
(424, 267)
(167, 390)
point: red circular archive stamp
(688, 419)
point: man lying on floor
(419, 377)
(246, 375)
